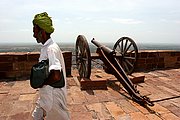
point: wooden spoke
(127, 53)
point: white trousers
(58, 110)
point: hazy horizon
(89, 42)
(34, 47)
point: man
(51, 104)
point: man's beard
(39, 38)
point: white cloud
(96, 17)
(170, 21)
(126, 21)
(68, 21)
(101, 21)
(177, 21)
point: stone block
(170, 61)
(153, 117)
(29, 64)
(19, 66)
(6, 66)
(78, 97)
(169, 116)
(178, 58)
(136, 78)
(25, 97)
(100, 110)
(6, 58)
(127, 106)
(21, 116)
(81, 116)
(93, 84)
(2, 75)
(77, 108)
(33, 56)
(150, 60)
(149, 67)
(160, 65)
(175, 53)
(138, 116)
(152, 54)
(68, 61)
(160, 109)
(91, 98)
(13, 74)
(19, 57)
(143, 54)
(115, 110)
(141, 60)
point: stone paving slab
(17, 99)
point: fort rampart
(16, 65)
(157, 59)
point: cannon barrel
(103, 47)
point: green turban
(44, 22)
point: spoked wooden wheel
(83, 58)
(126, 52)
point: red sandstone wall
(17, 65)
(157, 59)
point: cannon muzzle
(103, 47)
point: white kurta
(53, 100)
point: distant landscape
(24, 47)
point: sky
(145, 21)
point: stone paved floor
(17, 99)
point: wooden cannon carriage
(126, 54)
(120, 61)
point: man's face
(37, 34)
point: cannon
(126, 54)
(114, 60)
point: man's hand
(54, 76)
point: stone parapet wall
(16, 65)
(157, 59)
